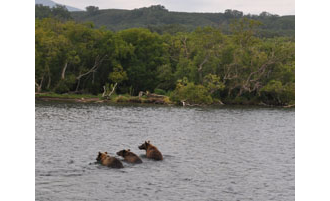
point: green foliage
(142, 64)
(159, 91)
(58, 11)
(42, 11)
(166, 77)
(278, 94)
(118, 75)
(191, 93)
(92, 10)
(65, 85)
(61, 87)
(158, 19)
(121, 99)
(212, 83)
(198, 67)
(109, 91)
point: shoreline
(86, 98)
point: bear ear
(128, 150)
(106, 152)
(148, 141)
(99, 152)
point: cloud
(281, 7)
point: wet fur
(129, 156)
(109, 161)
(151, 151)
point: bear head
(144, 145)
(101, 156)
(123, 152)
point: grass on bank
(127, 98)
(117, 98)
(68, 96)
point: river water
(223, 153)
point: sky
(280, 7)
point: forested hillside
(59, 12)
(159, 19)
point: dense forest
(59, 12)
(203, 66)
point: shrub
(192, 94)
(121, 99)
(159, 91)
(61, 87)
(276, 93)
(64, 86)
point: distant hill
(52, 3)
(159, 19)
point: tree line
(158, 19)
(200, 67)
(58, 11)
(161, 20)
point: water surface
(226, 153)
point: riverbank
(125, 98)
(88, 98)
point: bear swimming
(109, 161)
(129, 156)
(152, 151)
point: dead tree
(97, 63)
(107, 96)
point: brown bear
(129, 156)
(152, 151)
(106, 160)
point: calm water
(228, 153)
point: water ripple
(227, 153)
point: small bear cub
(106, 160)
(129, 156)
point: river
(210, 153)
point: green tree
(77, 57)
(212, 83)
(118, 75)
(278, 94)
(189, 93)
(60, 12)
(42, 11)
(149, 53)
(92, 10)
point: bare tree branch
(95, 66)
(97, 63)
(39, 86)
(63, 70)
(107, 96)
(113, 89)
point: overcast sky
(281, 7)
